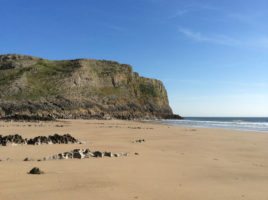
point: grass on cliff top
(105, 68)
(43, 79)
(7, 76)
(47, 79)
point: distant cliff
(35, 88)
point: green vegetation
(42, 79)
(9, 75)
(148, 89)
(108, 91)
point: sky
(212, 55)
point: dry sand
(174, 163)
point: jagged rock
(108, 154)
(38, 140)
(78, 153)
(98, 154)
(11, 139)
(52, 139)
(82, 154)
(35, 170)
(81, 88)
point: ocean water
(259, 124)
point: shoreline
(244, 126)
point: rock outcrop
(51, 139)
(35, 88)
(82, 154)
(12, 140)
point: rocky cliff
(35, 88)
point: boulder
(35, 170)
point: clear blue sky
(212, 55)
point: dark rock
(98, 154)
(35, 170)
(52, 139)
(19, 117)
(140, 141)
(108, 154)
(77, 153)
(11, 139)
(173, 116)
(28, 159)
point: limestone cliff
(36, 88)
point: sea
(257, 124)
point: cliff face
(32, 87)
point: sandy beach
(172, 163)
